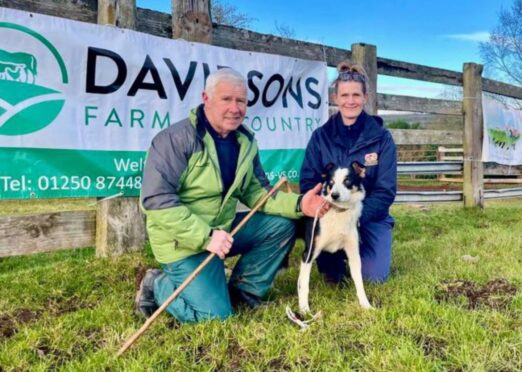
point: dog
(337, 229)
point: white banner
(502, 129)
(80, 103)
(72, 85)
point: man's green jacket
(182, 189)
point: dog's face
(342, 186)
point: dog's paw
(366, 305)
(304, 310)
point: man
(196, 171)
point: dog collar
(338, 208)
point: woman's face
(350, 99)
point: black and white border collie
(337, 229)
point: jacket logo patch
(371, 159)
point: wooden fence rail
(427, 137)
(425, 105)
(46, 232)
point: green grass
(75, 309)
(421, 182)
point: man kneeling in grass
(196, 172)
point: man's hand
(220, 243)
(311, 202)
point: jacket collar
(372, 130)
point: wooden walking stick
(195, 273)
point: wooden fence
(27, 234)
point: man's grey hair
(224, 74)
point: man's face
(225, 108)
(350, 99)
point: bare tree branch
(226, 14)
(502, 54)
(284, 30)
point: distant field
(32, 206)
(407, 183)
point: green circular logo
(26, 106)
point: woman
(351, 134)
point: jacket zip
(239, 164)
(218, 170)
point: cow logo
(504, 138)
(29, 95)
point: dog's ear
(326, 170)
(359, 169)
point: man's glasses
(351, 76)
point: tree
(226, 14)
(285, 31)
(502, 54)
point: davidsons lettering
(267, 89)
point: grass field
(440, 310)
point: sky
(438, 33)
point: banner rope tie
(107, 198)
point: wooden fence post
(366, 56)
(120, 225)
(473, 187)
(191, 20)
(119, 13)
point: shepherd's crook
(191, 277)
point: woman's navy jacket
(380, 182)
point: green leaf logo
(25, 106)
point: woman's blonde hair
(348, 71)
